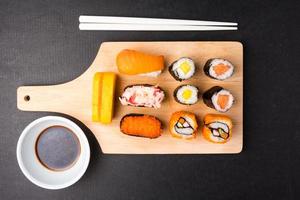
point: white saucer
(35, 171)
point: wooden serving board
(75, 97)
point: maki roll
(186, 94)
(142, 95)
(218, 98)
(182, 69)
(217, 128)
(183, 125)
(218, 68)
(141, 125)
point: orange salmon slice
(223, 100)
(221, 69)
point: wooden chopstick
(150, 21)
(142, 27)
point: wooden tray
(75, 98)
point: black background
(40, 44)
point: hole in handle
(26, 98)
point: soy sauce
(57, 148)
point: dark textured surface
(40, 44)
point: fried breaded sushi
(217, 128)
(183, 124)
(141, 125)
(218, 68)
(133, 62)
(218, 98)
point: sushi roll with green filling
(182, 69)
(218, 68)
(218, 98)
(186, 94)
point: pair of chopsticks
(109, 23)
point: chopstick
(111, 23)
(152, 21)
(141, 27)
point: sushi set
(154, 97)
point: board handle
(43, 98)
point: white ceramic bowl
(35, 171)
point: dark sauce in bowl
(57, 148)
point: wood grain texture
(74, 98)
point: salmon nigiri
(133, 62)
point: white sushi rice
(178, 71)
(151, 74)
(215, 100)
(217, 125)
(214, 136)
(218, 61)
(188, 131)
(194, 97)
